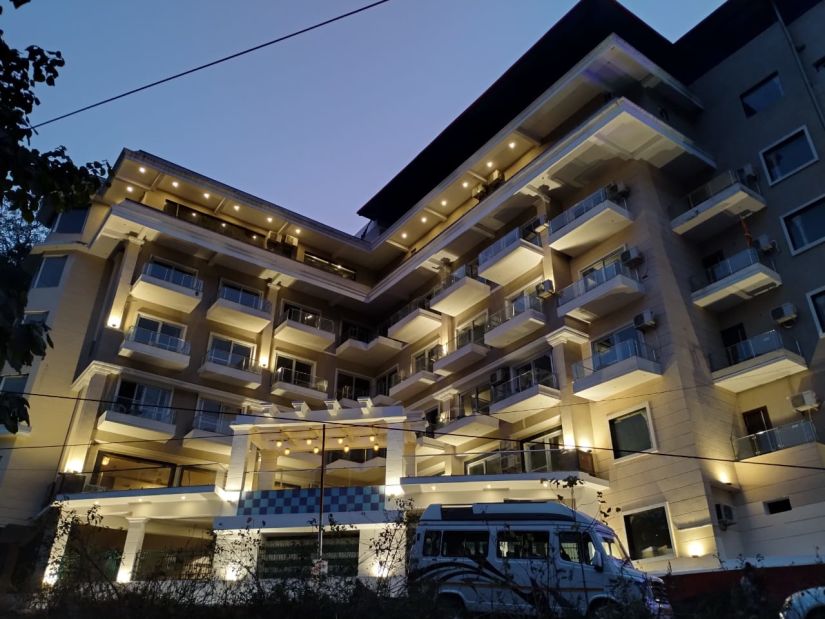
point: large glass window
(215, 416)
(157, 333)
(351, 387)
(474, 544)
(145, 401)
(51, 270)
(543, 453)
(293, 371)
(71, 222)
(788, 156)
(761, 96)
(231, 353)
(172, 273)
(118, 472)
(386, 381)
(806, 226)
(817, 300)
(241, 295)
(423, 360)
(648, 533)
(630, 433)
(474, 401)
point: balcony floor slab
(760, 370)
(616, 378)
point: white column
(236, 554)
(131, 549)
(58, 549)
(124, 282)
(265, 351)
(241, 442)
(83, 425)
(395, 459)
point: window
(309, 317)
(384, 382)
(523, 544)
(503, 461)
(230, 353)
(617, 346)
(432, 543)
(35, 318)
(51, 270)
(144, 401)
(817, 302)
(630, 433)
(764, 94)
(71, 222)
(471, 332)
(293, 371)
(474, 401)
(215, 416)
(805, 226)
(648, 533)
(543, 453)
(197, 476)
(576, 547)
(172, 273)
(158, 333)
(13, 384)
(117, 472)
(788, 156)
(351, 387)
(241, 295)
(423, 360)
(778, 506)
(472, 544)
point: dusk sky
(317, 124)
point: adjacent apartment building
(607, 267)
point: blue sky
(318, 124)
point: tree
(31, 182)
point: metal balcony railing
(173, 276)
(310, 319)
(769, 441)
(145, 410)
(594, 279)
(300, 379)
(522, 382)
(512, 309)
(584, 206)
(755, 346)
(511, 238)
(727, 267)
(155, 339)
(613, 355)
(247, 299)
(231, 360)
(211, 421)
(713, 187)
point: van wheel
(604, 610)
(451, 607)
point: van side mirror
(598, 562)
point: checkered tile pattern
(305, 501)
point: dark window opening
(778, 506)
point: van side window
(523, 544)
(576, 547)
(465, 544)
(432, 543)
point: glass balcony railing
(522, 382)
(329, 267)
(769, 441)
(511, 238)
(727, 267)
(581, 208)
(409, 308)
(300, 379)
(247, 299)
(359, 334)
(466, 270)
(533, 459)
(758, 345)
(471, 335)
(594, 279)
(157, 340)
(512, 309)
(173, 276)
(713, 187)
(310, 319)
(615, 354)
(211, 421)
(156, 412)
(232, 360)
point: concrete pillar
(58, 549)
(265, 356)
(131, 549)
(124, 282)
(453, 464)
(238, 457)
(83, 425)
(395, 460)
(236, 554)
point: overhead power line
(213, 63)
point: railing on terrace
(310, 319)
(300, 379)
(511, 238)
(454, 413)
(594, 279)
(726, 267)
(211, 421)
(512, 309)
(522, 382)
(128, 406)
(584, 206)
(357, 333)
(713, 187)
(774, 439)
(231, 360)
(155, 339)
(247, 299)
(338, 473)
(173, 565)
(474, 334)
(515, 462)
(329, 267)
(755, 346)
(409, 308)
(173, 276)
(619, 352)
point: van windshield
(614, 549)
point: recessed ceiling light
(194, 214)
(206, 195)
(340, 441)
(223, 224)
(465, 184)
(237, 207)
(175, 184)
(297, 231)
(512, 145)
(142, 170)
(489, 164)
(129, 188)
(254, 237)
(443, 203)
(403, 235)
(423, 220)
(269, 219)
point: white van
(520, 557)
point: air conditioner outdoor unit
(479, 191)
(645, 320)
(804, 401)
(495, 179)
(545, 289)
(785, 314)
(765, 244)
(724, 515)
(632, 257)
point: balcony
(461, 352)
(305, 329)
(167, 287)
(757, 361)
(239, 309)
(775, 439)
(211, 431)
(517, 320)
(455, 427)
(419, 377)
(231, 369)
(367, 347)
(413, 322)
(734, 280)
(511, 256)
(716, 205)
(600, 292)
(524, 395)
(137, 420)
(299, 386)
(155, 348)
(588, 223)
(624, 366)
(460, 291)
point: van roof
(527, 510)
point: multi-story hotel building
(606, 267)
